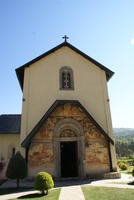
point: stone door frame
(72, 124)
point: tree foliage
(17, 168)
(133, 172)
(124, 146)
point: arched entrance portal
(69, 154)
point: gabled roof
(10, 124)
(27, 140)
(20, 70)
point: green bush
(133, 172)
(132, 163)
(122, 166)
(118, 162)
(43, 182)
(17, 168)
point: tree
(17, 168)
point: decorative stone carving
(68, 133)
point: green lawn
(103, 193)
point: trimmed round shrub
(43, 182)
(122, 166)
(133, 172)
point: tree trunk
(44, 192)
(17, 181)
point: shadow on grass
(13, 190)
(131, 183)
(2, 181)
(30, 196)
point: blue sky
(102, 29)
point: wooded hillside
(124, 142)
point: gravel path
(117, 183)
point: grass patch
(103, 193)
(52, 195)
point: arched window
(66, 78)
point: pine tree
(17, 168)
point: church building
(65, 127)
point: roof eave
(6, 132)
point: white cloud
(132, 41)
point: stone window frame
(66, 69)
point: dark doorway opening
(69, 159)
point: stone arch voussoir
(68, 123)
